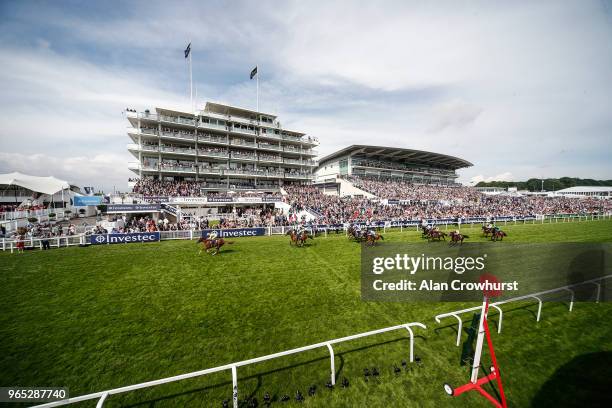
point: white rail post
(234, 386)
(499, 325)
(100, 403)
(571, 306)
(598, 291)
(332, 363)
(479, 342)
(459, 329)
(411, 343)
(539, 307)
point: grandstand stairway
(348, 189)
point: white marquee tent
(45, 185)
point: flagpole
(257, 81)
(190, 78)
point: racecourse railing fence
(233, 367)
(323, 229)
(536, 296)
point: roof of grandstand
(400, 155)
(233, 110)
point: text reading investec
(412, 264)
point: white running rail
(537, 296)
(103, 395)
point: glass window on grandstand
(344, 167)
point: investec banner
(132, 208)
(219, 199)
(236, 232)
(99, 239)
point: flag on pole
(253, 73)
(187, 50)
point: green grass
(107, 316)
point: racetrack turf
(107, 316)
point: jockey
(299, 230)
(489, 225)
(212, 236)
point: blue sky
(521, 89)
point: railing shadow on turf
(259, 376)
(233, 367)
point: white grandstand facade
(414, 166)
(221, 147)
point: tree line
(550, 184)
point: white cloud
(506, 176)
(79, 170)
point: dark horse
(486, 231)
(457, 237)
(212, 246)
(498, 235)
(298, 239)
(436, 234)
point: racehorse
(436, 234)
(298, 239)
(212, 246)
(498, 235)
(352, 233)
(372, 238)
(457, 238)
(486, 230)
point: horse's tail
(381, 237)
(229, 242)
(466, 236)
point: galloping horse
(457, 237)
(372, 238)
(487, 230)
(436, 234)
(298, 239)
(214, 245)
(425, 230)
(498, 235)
(352, 233)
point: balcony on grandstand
(210, 143)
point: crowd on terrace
(415, 201)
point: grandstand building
(409, 165)
(222, 147)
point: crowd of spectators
(426, 201)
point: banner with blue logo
(133, 208)
(81, 201)
(235, 232)
(100, 239)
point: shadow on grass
(151, 402)
(585, 381)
